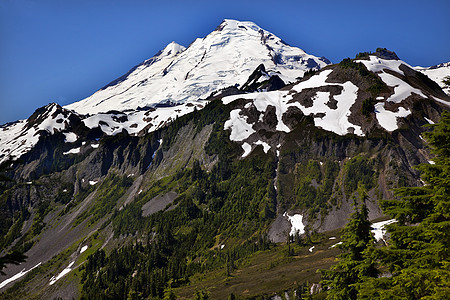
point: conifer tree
(11, 258)
(355, 264)
(418, 256)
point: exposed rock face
(386, 54)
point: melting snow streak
(17, 276)
(63, 272)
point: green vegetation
(266, 272)
(376, 84)
(11, 258)
(233, 203)
(112, 188)
(363, 55)
(314, 184)
(210, 240)
(359, 170)
(417, 258)
(355, 264)
(349, 63)
(446, 81)
(368, 107)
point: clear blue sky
(63, 51)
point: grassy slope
(267, 272)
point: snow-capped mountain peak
(20, 137)
(225, 57)
(172, 49)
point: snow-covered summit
(225, 57)
(172, 49)
(20, 137)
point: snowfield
(136, 121)
(177, 74)
(174, 82)
(334, 120)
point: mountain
(238, 190)
(175, 81)
(437, 73)
(224, 58)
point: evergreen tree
(201, 295)
(169, 294)
(418, 255)
(11, 258)
(355, 265)
(446, 80)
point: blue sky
(63, 51)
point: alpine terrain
(226, 170)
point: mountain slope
(131, 204)
(225, 57)
(437, 73)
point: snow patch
(136, 121)
(70, 137)
(388, 119)
(335, 245)
(266, 147)
(296, 223)
(334, 120)
(376, 64)
(84, 248)
(62, 274)
(93, 182)
(437, 73)
(311, 249)
(17, 276)
(378, 229)
(428, 120)
(240, 129)
(402, 90)
(72, 151)
(247, 149)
